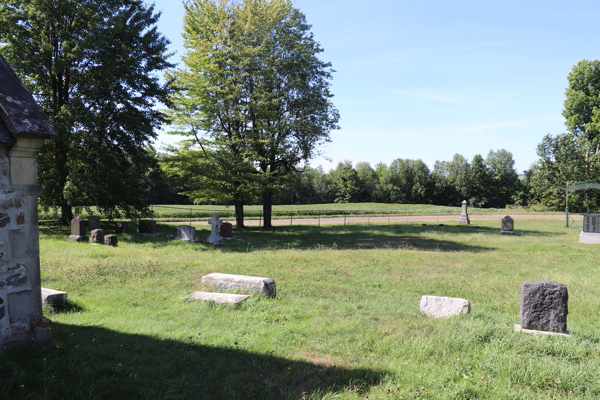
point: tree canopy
(93, 67)
(253, 84)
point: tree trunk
(67, 213)
(267, 208)
(239, 214)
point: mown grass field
(345, 323)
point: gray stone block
(111, 240)
(230, 281)
(98, 236)
(218, 298)
(80, 239)
(507, 225)
(186, 232)
(51, 296)
(435, 306)
(544, 306)
(122, 227)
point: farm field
(345, 323)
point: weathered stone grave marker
(111, 240)
(507, 225)
(186, 232)
(214, 239)
(121, 227)
(51, 296)
(231, 281)
(464, 214)
(23, 129)
(436, 306)
(148, 227)
(78, 230)
(218, 298)
(544, 307)
(98, 236)
(93, 223)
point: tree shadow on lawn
(95, 362)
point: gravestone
(98, 236)
(23, 129)
(591, 229)
(148, 227)
(51, 296)
(121, 227)
(464, 214)
(230, 281)
(227, 230)
(544, 306)
(218, 298)
(111, 240)
(93, 223)
(214, 239)
(186, 232)
(78, 230)
(435, 306)
(507, 225)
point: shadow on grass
(65, 307)
(86, 362)
(395, 236)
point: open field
(345, 323)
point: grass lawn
(345, 323)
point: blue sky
(428, 79)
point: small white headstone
(434, 306)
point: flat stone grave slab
(218, 298)
(435, 306)
(589, 237)
(51, 296)
(230, 281)
(518, 328)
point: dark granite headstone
(122, 227)
(93, 223)
(226, 230)
(148, 226)
(544, 306)
(591, 223)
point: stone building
(23, 128)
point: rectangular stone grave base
(35, 332)
(464, 222)
(534, 332)
(507, 232)
(51, 296)
(211, 244)
(231, 281)
(589, 237)
(80, 239)
(218, 298)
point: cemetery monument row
(23, 128)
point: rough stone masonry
(23, 128)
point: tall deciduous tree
(254, 84)
(92, 65)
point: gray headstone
(544, 306)
(52, 296)
(218, 298)
(78, 226)
(214, 237)
(186, 232)
(435, 306)
(147, 226)
(93, 223)
(507, 225)
(230, 281)
(121, 227)
(464, 214)
(98, 236)
(591, 223)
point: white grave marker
(214, 234)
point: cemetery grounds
(345, 323)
